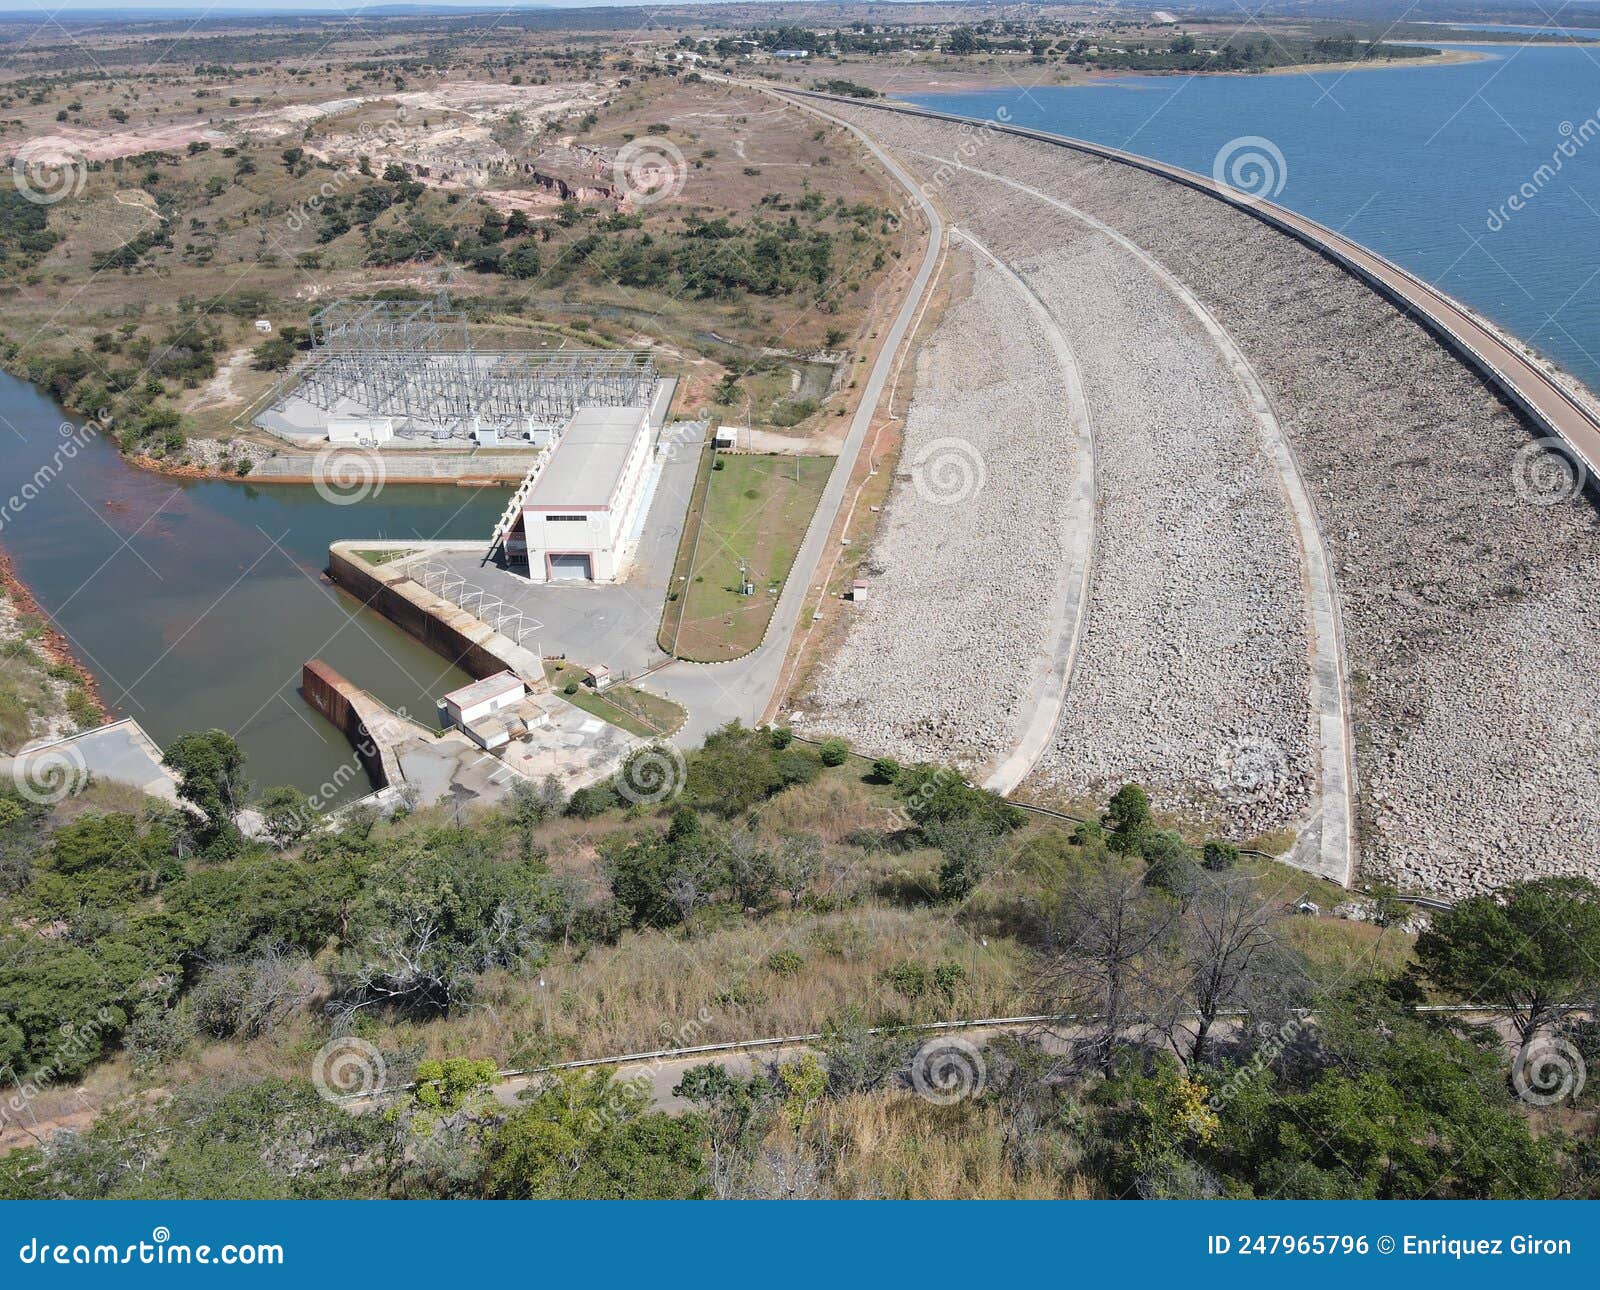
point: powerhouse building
(587, 502)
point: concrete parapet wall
(357, 714)
(450, 631)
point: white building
(585, 503)
(472, 708)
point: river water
(195, 602)
(1420, 163)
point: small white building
(472, 708)
(583, 507)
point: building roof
(587, 461)
(490, 687)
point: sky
(99, 8)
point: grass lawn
(385, 555)
(637, 711)
(757, 508)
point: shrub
(782, 737)
(886, 770)
(833, 752)
(1219, 854)
(595, 800)
(909, 978)
(785, 962)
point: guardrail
(447, 584)
(1424, 302)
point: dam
(1367, 542)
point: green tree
(1400, 1108)
(1532, 948)
(963, 40)
(1126, 818)
(210, 769)
(288, 814)
(521, 262)
(587, 1136)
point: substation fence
(506, 619)
(416, 360)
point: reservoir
(195, 602)
(1416, 162)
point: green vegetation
(756, 508)
(637, 711)
(1204, 1047)
(849, 89)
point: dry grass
(653, 989)
(894, 1146)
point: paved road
(610, 623)
(716, 692)
(1525, 384)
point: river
(195, 602)
(1420, 163)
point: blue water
(1416, 162)
(195, 603)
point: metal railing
(447, 584)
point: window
(566, 519)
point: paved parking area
(120, 752)
(614, 624)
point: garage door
(569, 568)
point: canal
(195, 602)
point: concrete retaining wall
(400, 468)
(346, 706)
(448, 630)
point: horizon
(48, 11)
